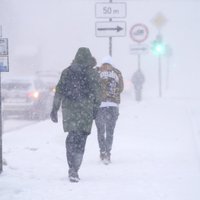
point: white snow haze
(156, 147)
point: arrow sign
(118, 28)
(110, 29)
(139, 49)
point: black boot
(73, 175)
(107, 160)
(102, 155)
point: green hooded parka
(78, 115)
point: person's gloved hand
(54, 116)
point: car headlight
(34, 94)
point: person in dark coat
(138, 80)
(112, 86)
(78, 111)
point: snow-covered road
(155, 156)
(10, 125)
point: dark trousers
(75, 147)
(105, 123)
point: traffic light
(158, 48)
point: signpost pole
(159, 21)
(1, 149)
(4, 66)
(110, 46)
(0, 31)
(139, 62)
(160, 75)
(110, 38)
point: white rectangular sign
(3, 46)
(110, 10)
(4, 65)
(139, 49)
(110, 29)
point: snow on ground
(155, 157)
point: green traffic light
(158, 48)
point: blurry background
(45, 35)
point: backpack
(77, 84)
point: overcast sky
(45, 34)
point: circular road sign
(139, 33)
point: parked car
(26, 97)
(50, 77)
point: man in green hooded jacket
(80, 102)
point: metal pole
(0, 31)
(139, 62)
(110, 46)
(1, 157)
(110, 38)
(168, 73)
(160, 76)
(110, 43)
